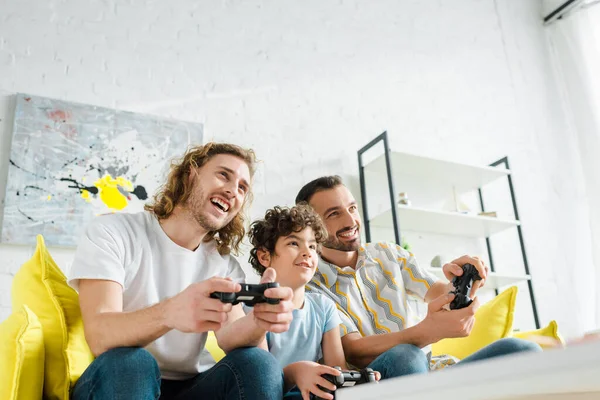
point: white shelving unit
(397, 169)
(464, 176)
(443, 222)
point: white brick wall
(308, 83)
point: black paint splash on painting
(23, 169)
(77, 185)
(140, 192)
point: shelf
(433, 184)
(463, 176)
(443, 222)
(494, 281)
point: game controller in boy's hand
(250, 294)
(462, 287)
(347, 379)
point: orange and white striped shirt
(380, 295)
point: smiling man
(370, 284)
(145, 280)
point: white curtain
(575, 45)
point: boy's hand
(275, 318)
(307, 375)
(193, 310)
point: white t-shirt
(134, 251)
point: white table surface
(570, 373)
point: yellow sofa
(43, 348)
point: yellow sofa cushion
(41, 285)
(493, 321)
(21, 356)
(547, 337)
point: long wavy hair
(178, 188)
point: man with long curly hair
(145, 280)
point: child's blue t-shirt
(302, 342)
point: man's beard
(334, 243)
(196, 204)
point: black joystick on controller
(250, 294)
(347, 379)
(462, 287)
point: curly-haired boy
(288, 240)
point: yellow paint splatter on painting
(110, 195)
(49, 197)
(86, 196)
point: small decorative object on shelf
(436, 262)
(492, 214)
(403, 199)
(406, 245)
(459, 206)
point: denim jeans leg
(403, 359)
(243, 374)
(122, 373)
(502, 347)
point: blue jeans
(406, 359)
(132, 373)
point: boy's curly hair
(282, 221)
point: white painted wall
(308, 83)
(575, 45)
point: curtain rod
(562, 9)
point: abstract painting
(70, 162)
